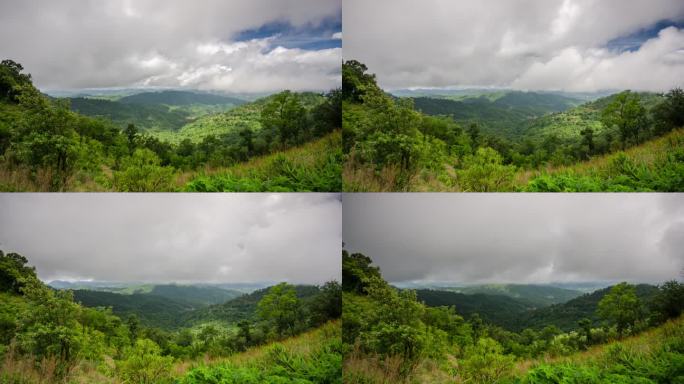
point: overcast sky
(572, 45)
(229, 45)
(220, 238)
(518, 238)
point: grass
(654, 356)
(315, 166)
(306, 347)
(657, 165)
(312, 357)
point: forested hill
(243, 307)
(517, 314)
(495, 309)
(565, 316)
(534, 295)
(502, 114)
(180, 98)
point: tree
(588, 140)
(133, 325)
(131, 133)
(327, 304)
(356, 272)
(142, 173)
(669, 114)
(627, 114)
(14, 272)
(280, 307)
(621, 306)
(285, 114)
(244, 331)
(356, 83)
(669, 302)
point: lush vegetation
(47, 337)
(45, 146)
(391, 336)
(495, 143)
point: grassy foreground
(657, 165)
(314, 166)
(312, 357)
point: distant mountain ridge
(500, 113)
(516, 314)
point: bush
(143, 364)
(142, 173)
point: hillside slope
(655, 356)
(535, 295)
(656, 165)
(314, 357)
(503, 114)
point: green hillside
(500, 113)
(152, 117)
(566, 315)
(314, 357)
(656, 165)
(392, 336)
(152, 310)
(495, 309)
(419, 144)
(46, 146)
(47, 337)
(535, 295)
(245, 116)
(655, 356)
(178, 98)
(242, 307)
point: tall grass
(315, 166)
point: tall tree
(280, 307)
(621, 306)
(627, 114)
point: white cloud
(336, 35)
(119, 43)
(523, 43)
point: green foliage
(280, 307)
(142, 173)
(279, 365)
(389, 146)
(485, 172)
(485, 362)
(14, 272)
(46, 146)
(621, 306)
(357, 272)
(669, 302)
(145, 365)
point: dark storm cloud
(574, 45)
(172, 43)
(176, 237)
(518, 237)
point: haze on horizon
(234, 46)
(518, 238)
(180, 238)
(558, 45)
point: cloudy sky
(518, 238)
(221, 238)
(571, 45)
(228, 45)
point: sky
(220, 45)
(183, 238)
(518, 238)
(561, 45)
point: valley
(492, 140)
(146, 141)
